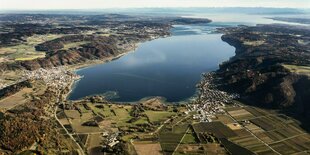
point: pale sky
(99, 4)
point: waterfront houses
(210, 100)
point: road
(180, 141)
(255, 136)
(81, 151)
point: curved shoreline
(187, 99)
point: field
(298, 69)
(190, 137)
(9, 77)
(112, 114)
(267, 131)
(147, 148)
(77, 122)
(15, 99)
(93, 144)
(242, 130)
(77, 119)
(22, 96)
(114, 117)
(74, 44)
(217, 128)
(223, 118)
(72, 114)
(254, 43)
(240, 114)
(121, 115)
(156, 116)
(26, 51)
(171, 136)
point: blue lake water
(167, 67)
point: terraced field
(268, 132)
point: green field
(190, 137)
(26, 51)
(170, 138)
(156, 116)
(142, 120)
(122, 116)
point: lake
(167, 67)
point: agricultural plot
(190, 137)
(233, 148)
(105, 111)
(94, 144)
(240, 114)
(142, 120)
(223, 118)
(170, 138)
(298, 69)
(264, 137)
(66, 140)
(116, 114)
(254, 128)
(218, 128)
(82, 138)
(21, 52)
(284, 148)
(251, 143)
(193, 149)
(15, 99)
(72, 114)
(78, 119)
(156, 116)
(169, 141)
(215, 149)
(74, 45)
(278, 131)
(256, 111)
(147, 148)
(64, 121)
(26, 51)
(9, 77)
(121, 115)
(241, 132)
(198, 149)
(82, 108)
(234, 126)
(268, 123)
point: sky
(100, 4)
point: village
(210, 100)
(57, 77)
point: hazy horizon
(114, 4)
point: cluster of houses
(210, 101)
(58, 77)
(110, 139)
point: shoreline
(100, 62)
(92, 63)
